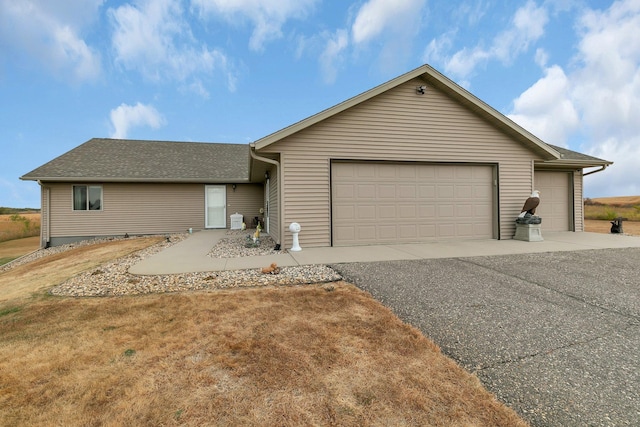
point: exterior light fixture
(421, 89)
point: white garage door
(555, 200)
(374, 203)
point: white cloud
(52, 34)
(126, 117)
(393, 18)
(155, 39)
(527, 26)
(392, 24)
(601, 92)
(332, 54)
(267, 16)
(546, 108)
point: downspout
(252, 148)
(45, 232)
(596, 171)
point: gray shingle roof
(574, 155)
(101, 159)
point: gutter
(602, 168)
(252, 148)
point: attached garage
(556, 200)
(374, 203)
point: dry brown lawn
(286, 356)
(618, 201)
(597, 226)
(10, 229)
(16, 248)
(41, 274)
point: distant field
(609, 208)
(19, 225)
(629, 201)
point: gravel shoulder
(113, 278)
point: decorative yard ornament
(530, 204)
(295, 228)
(527, 215)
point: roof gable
(433, 77)
(109, 160)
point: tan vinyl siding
(129, 208)
(247, 199)
(578, 202)
(397, 125)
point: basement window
(87, 197)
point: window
(87, 197)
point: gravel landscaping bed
(239, 243)
(113, 278)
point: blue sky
(238, 70)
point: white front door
(216, 206)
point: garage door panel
(366, 212)
(345, 191)
(407, 191)
(426, 191)
(365, 191)
(464, 191)
(427, 211)
(387, 232)
(447, 230)
(395, 203)
(446, 191)
(427, 231)
(341, 212)
(407, 231)
(407, 212)
(386, 212)
(446, 211)
(556, 200)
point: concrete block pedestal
(528, 232)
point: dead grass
(313, 355)
(36, 276)
(594, 226)
(610, 208)
(618, 201)
(18, 226)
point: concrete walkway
(190, 255)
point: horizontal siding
(247, 200)
(398, 126)
(130, 208)
(578, 201)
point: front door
(216, 206)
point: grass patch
(9, 310)
(284, 356)
(6, 260)
(255, 357)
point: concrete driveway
(556, 336)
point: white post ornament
(295, 228)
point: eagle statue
(530, 204)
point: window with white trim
(87, 197)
